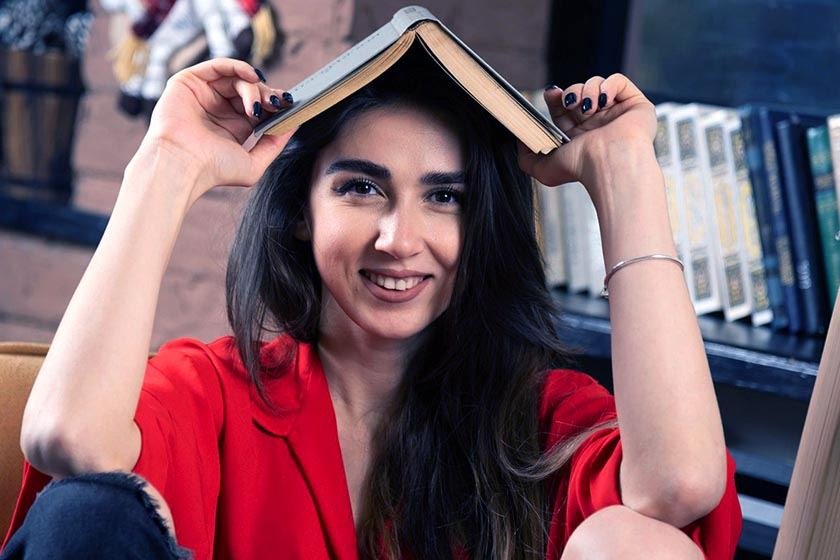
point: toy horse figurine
(243, 29)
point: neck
(363, 371)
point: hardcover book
(762, 314)
(825, 200)
(799, 198)
(372, 56)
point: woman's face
(385, 219)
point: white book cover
(665, 145)
(834, 139)
(700, 217)
(733, 278)
(575, 243)
(752, 252)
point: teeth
(397, 284)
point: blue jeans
(93, 516)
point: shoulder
(570, 402)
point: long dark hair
(458, 463)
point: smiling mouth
(393, 284)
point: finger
(216, 68)
(265, 151)
(272, 99)
(542, 168)
(562, 105)
(251, 98)
(619, 88)
(589, 96)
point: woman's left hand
(618, 124)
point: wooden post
(810, 527)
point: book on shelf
(728, 242)
(699, 212)
(797, 189)
(575, 239)
(753, 253)
(549, 206)
(833, 124)
(825, 202)
(665, 147)
(772, 219)
(372, 56)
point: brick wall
(39, 277)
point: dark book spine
(764, 215)
(799, 199)
(781, 232)
(825, 200)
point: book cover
(372, 56)
(772, 222)
(753, 253)
(735, 292)
(825, 201)
(799, 199)
(700, 220)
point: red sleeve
(573, 401)
(180, 416)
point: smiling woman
(391, 388)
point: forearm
(672, 437)
(79, 415)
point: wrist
(166, 169)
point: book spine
(551, 236)
(665, 147)
(734, 285)
(764, 215)
(802, 216)
(834, 141)
(577, 263)
(594, 250)
(825, 201)
(698, 222)
(762, 314)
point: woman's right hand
(204, 115)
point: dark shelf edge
(741, 355)
(52, 221)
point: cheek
(447, 244)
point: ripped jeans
(93, 516)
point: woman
(405, 403)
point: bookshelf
(779, 54)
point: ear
(302, 230)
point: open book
(372, 56)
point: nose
(400, 233)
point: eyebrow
(379, 172)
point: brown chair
(19, 364)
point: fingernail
(551, 86)
(602, 100)
(586, 105)
(287, 97)
(260, 75)
(257, 109)
(275, 101)
(569, 99)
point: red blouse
(244, 481)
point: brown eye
(358, 187)
(445, 196)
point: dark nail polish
(586, 105)
(275, 101)
(602, 100)
(551, 86)
(569, 99)
(257, 109)
(287, 97)
(260, 75)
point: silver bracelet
(618, 266)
